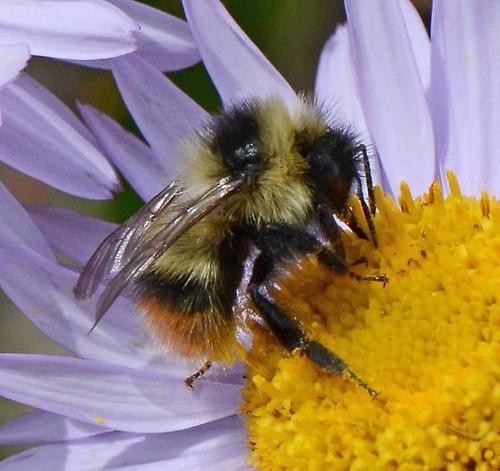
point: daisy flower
(428, 341)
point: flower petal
(16, 225)
(393, 98)
(125, 399)
(336, 82)
(163, 40)
(466, 91)
(237, 68)
(38, 137)
(134, 159)
(44, 427)
(67, 29)
(201, 447)
(337, 89)
(164, 113)
(419, 41)
(14, 59)
(70, 233)
(46, 97)
(43, 290)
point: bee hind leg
(191, 379)
(288, 331)
(291, 336)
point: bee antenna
(367, 213)
(368, 178)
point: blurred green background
(289, 32)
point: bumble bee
(257, 176)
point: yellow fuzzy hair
(280, 194)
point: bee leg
(331, 229)
(274, 246)
(347, 217)
(291, 336)
(334, 262)
(191, 379)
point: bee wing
(120, 246)
(150, 250)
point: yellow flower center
(428, 342)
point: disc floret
(428, 342)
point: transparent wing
(121, 245)
(150, 250)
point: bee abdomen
(202, 335)
(183, 296)
(186, 317)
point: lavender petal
(67, 29)
(44, 427)
(164, 113)
(237, 68)
(217, 445)
(419, 41)
(132, 157)
(70, 233)
(16, 225)
(121, 398)
(336, 82)
(43, 290)
(466, 91)
(14, 59)
(39, 138)
(337, 90)
(163, 40)
(391, 90)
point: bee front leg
(332, 261)
(336, 260)
(330, 227)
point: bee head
(333, 167)
(236, 140)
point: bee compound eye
(322, 162)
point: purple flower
(425, 105)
